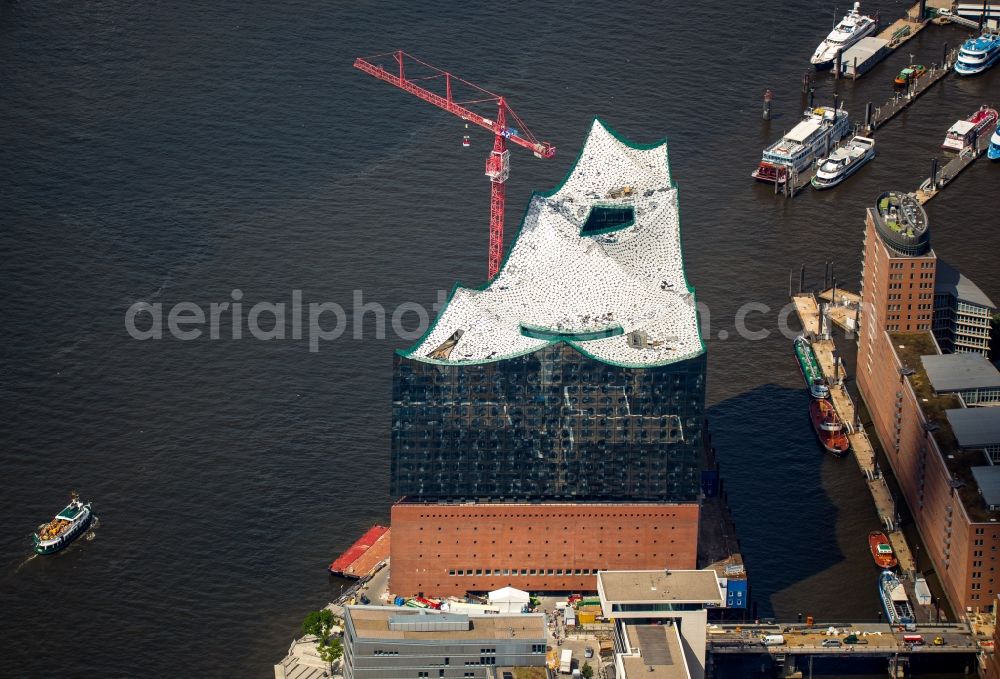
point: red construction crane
(498, 162)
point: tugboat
(908, 74)
(843, 162)
(978, 54)
(851, 28)
(881, 550)
(828, 426)
(964, 133)
(810, 368)
(68, 525)
(820, 130)
(898, 610)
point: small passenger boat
(64, 528)
(843, 162)
(881, 550)
(898, 609)
(966, 132)
(909, 74)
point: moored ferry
(966, 132)
(993, 152)
(821, 128)
(843, 162)
(898, 609)
(881, 550)
(64, 528)
(978, 54)
(851, 28)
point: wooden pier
(808, 309)
(887, 111)
(932, 186)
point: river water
(176, 152)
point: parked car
(854, 639)
(589, 651)
(939, 641)
(831, 642)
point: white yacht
(851, 28)
(843, 162)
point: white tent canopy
(509, 599)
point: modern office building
(660, 620)
(916, 398)
(564, 396)
(962, 313)
(389, 642)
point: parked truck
(566, 661)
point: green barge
(809, 365)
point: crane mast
(498, 162)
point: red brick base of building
(448, 549)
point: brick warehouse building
(551, 423)
(920, 403)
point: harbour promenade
(808, 309)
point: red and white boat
(881, 550)
(965, 132)
(829, 428)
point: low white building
(660, 620)
(510, 600)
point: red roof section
(343, 563)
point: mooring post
(812, 92)
(868, 118)
(934, 169)
(768, 96)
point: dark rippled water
(173, 152)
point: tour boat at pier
(993, 152)
(965, 132)
(828, 426)
(898, 609)
(843, 162)
(851, 28)
(66, 526)
(909, 74)
(978, 54)
(881, 550)
(810, 368)
(821, 128)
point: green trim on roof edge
(409, 353)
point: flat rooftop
(372, 622)
(659, 654)
(975, 427)
(660, 586)
(863, 49)
(960, 372)
(988, 478)
(909, 348)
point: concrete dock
(808, 309)
(928, 189)
(891, 108)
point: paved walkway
(864, 453)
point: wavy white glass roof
(615, 290)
